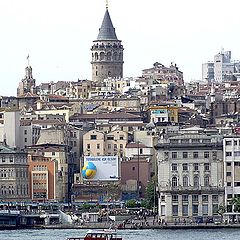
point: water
(160, 234)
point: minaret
(28, 84)
(107, 52)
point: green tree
(151, 199)
(235, 202)
(131, 203)
(221, 210)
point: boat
(106, 234)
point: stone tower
(107, 52)
(28, 84)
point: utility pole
(138, 171)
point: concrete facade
(231, 156)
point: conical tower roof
(107, 31)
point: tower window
(109, 73)
(96, 73)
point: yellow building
(163, 113)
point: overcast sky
(58, 34)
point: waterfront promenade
(149, 224)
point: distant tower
(107, 52)
(28, 84)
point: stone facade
(107, 52)
(14, 178)
(190, 176)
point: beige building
(94, 143)
(190, 176)
(116, 141)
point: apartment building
(231, 158)
(43, 178)
(14, 177)
(190, 176)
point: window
(185, 166)
(229, 164)
(98, 146)
(206, 154)
(110, 138)
(195, 198)
(133, 168)
(195, 209)
(236, 184)
(215, 208)
(195, 166)
(228, 143)
(174, 198)
(174, 154)
(206, 167)
(109, 146)
(25, 140)
(229, 174)
(196, 181)
(25, 132)
(93, 137)
(121, 137)
(205, 198)
(195, 154)
(121, 146)
(229, 184)
(185, 154)
(228, 154)
(229, 196)
(185, 210)
(163, 198)
(205, 209)
(206, 181)
(174, 182)
(174, 167)
(185, 181)
(88, 146)
(175, 210)
(185, 198)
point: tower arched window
(185, 181)
(196, 181)
(109, 56)
(120, 56)
(174, 182)
(96, 56)
(115, 56)
(101, 56)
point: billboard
(106, 168)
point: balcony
(190, 189)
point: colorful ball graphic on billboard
(89, 170)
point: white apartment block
(190, 176)
(231, 157)
(222, 69)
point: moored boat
(106, 234)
